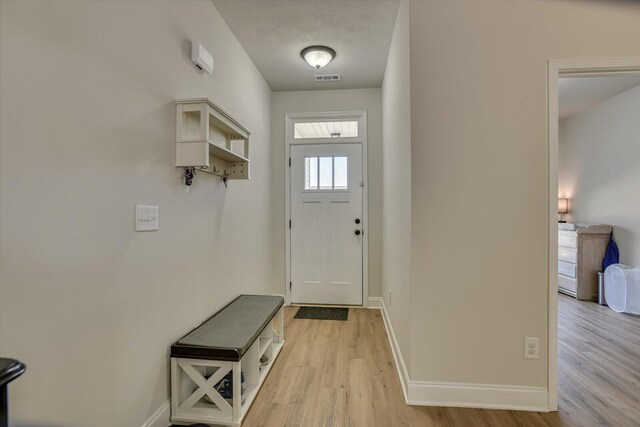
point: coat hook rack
(189, 173)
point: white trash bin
(622, 289)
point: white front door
(326, 224)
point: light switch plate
(147, 218)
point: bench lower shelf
(193, 396)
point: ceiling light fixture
(318, 56)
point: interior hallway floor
(598, 364)
(342, 373)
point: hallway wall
(396, 154)
(479, 176)
(88, 132)
(368, 100)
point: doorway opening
(326, 218)
(585, 338)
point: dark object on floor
(602, 300)
(322, 313)
(10, 369)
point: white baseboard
(464, 395)
(403, 374)
(487, 396)
(160, 418)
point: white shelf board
(218, 151)
(225, 154)
(264, 345)
(251, 393)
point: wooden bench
(229, 344)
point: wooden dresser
(580, 255)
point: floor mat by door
(322, 313)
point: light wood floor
(598, 364)
(334, 373)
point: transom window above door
(311, 130)
(326, 173)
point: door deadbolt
(357, 220)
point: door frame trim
(289, 121)
(555, 70)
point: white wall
(479, 176)
(396, 154)
(88, 131)
(599, 168)
(368, 100)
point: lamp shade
(563, 205)
(318, 56)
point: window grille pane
(326, 173)
(340, 173)
(311, 173)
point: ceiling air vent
(327, 77)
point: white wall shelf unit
(210, 140)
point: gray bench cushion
(228, 334)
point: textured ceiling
(576, 94)
(273, 32)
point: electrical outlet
(531, 348)
(389, 297)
